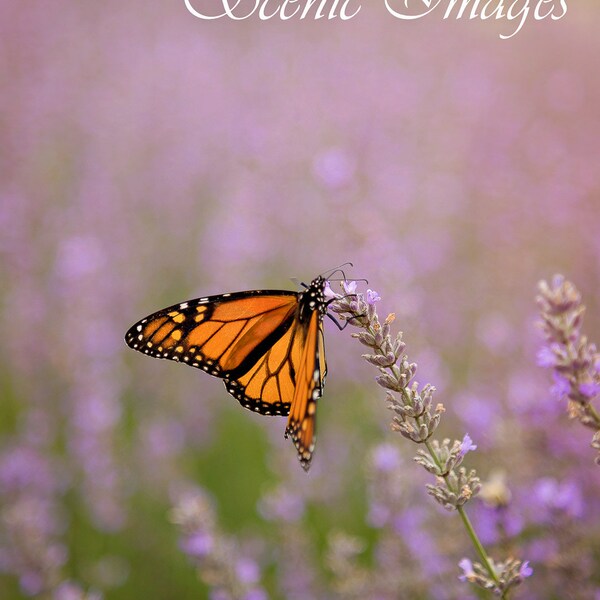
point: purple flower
(379, 514)
(542, 549)
(590, 389)
(247, 570)
(198, 544)
(328, 292)
(24, 468)
(525, 570)
(411, 525)
(561, 388)
(466, 446)
(477, 414)
(468, 573)
(372, 297)
(546, 357)
(493, 522)
(163, 438)
(255, 594)
(68, 591)
(386, 458)
(281, 505)
(559, 497)
(350, 287)
(31, 583)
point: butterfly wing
(244, 338)
(301, 425)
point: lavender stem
(478, 546)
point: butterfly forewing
(216, 333)
(267, 345)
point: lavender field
(148, 157)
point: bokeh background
(148, 157)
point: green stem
(434, 456)
(478, 546)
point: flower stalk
(416, 419)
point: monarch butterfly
(267, 346)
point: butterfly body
(267, 346)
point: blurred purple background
(147, 157)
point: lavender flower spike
(416, 418)
(575, 361)
(220, 564)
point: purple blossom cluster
(31, 545)
(574, 361)
(147, 158)
(229, 574)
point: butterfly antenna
(362, 280)
(336, 269)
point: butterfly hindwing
(301, 425)
(267, 346)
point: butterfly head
(312, 299)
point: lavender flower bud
(380, 361)
(398, 344)
(443, 495)
(388, 382)
(427, 462)
(365, 338)
(456, 489)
